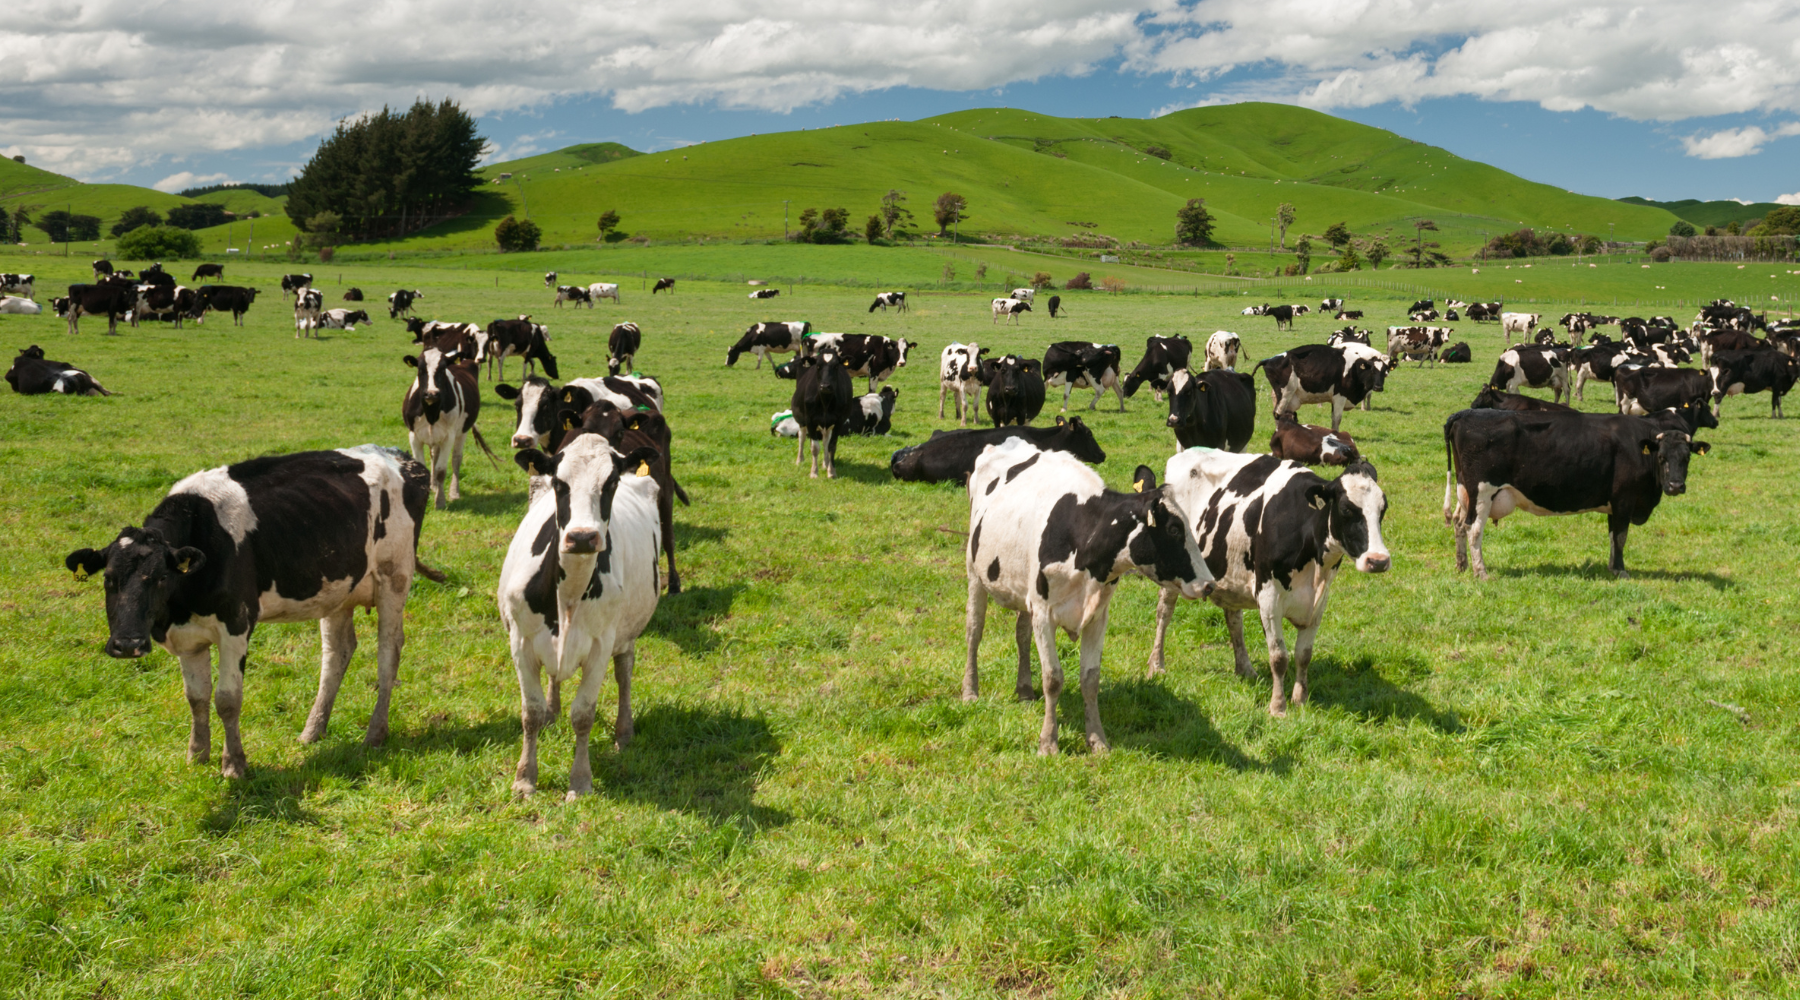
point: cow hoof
(1278, 711)
(971, 697)
(1047, 748)
(198, 755)
(1027, 694)
(312, 734)
(1245, 671)
(575, 794)
(1098, 745)
(233, 767)
(524, 788)
(375, 737)
(1621, 574)
(1156, 670)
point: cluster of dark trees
(266, 190)
(67, 227)
(1530, 243)
(388, 174)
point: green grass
(1517, 788)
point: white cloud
(1788, 199)
(187, 179)
(1732, 142)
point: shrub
(516, 235)
(326, 253)
(158, 243)
(1193, 223)
(135, 218)
(1158, 152)
(1661, 255)
(1042, 279)
(1338, 235)
(873, 229)
(1112, 284)
(197, 215)
(1079, 281)
(981, 271)
(1682, 227)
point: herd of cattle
(312, 536)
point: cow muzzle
(122, 648)
(1675, 487)
(1373, 562)
(581, 541)
(1196, 590)
(523, 440)
(1173, 421)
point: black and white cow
(1480, 311)
(1421, 343)
(1222, 350)
(1010, 308)
(342, 319)
(577, 589)
(1457, 354)
(873, 413)
(663, 285)
(1519, 323)
(621, 348)
(1318, 373)
(1023, 294)
(233, 299)
(282, 538)
(1730, 340)
(885, 299)
(764, 339)
(1423, 304)
(441, 405)
(1049, 541)
(537, 404)
(1331, 305)
(1214, 409)
(1349, 335)
(1596, 363)
(572, 293)
(765, 293)
(1424, 316)
(163, 302)
(152, 275)
(866, 355)
(1073, 364)
(1284, 315)
(1015, 389)
(290, 283)
(603, 290)
(1275, 535)
(949, 456)
(517, 338)
(1736, 372)
(22, 285)
(1310, 444)
(400, 302)
(624, 391)
(32, 375)
(1532, 367)
(1560, 463)
(958, 368)
(1355, 314)
(308, 303)
(822, 401)
(1578, 325)
(549, 279)
(629, 430)
(1641, 392)
(114, 301)
(1490, 398)
(353, 295)
(1262, 310)
(1163, 357)
(102, 268)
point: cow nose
(1374, 562)
(581, 541)
(1675, 488)
(1171, 422)
(523, 441)
(1195, 590)
(127, 649)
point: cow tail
(485, 450)
(434, 575)
(1449, 471)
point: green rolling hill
(1710, 213)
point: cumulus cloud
(187, 179)
(98, 87)
(1732, 142)
(1788, 199)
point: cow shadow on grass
(688, 535)
(1358, 687)
(1145, 715)
(1598, 571)
(704, 761)
(862, 472)
(503, 503)
(686, 619)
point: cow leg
(533, 713)
(831, 443)
(1093, 642)
(1303, 647)
(759, 359)
(337, 640)
(1022, 638)
(390, 639)
(456, 453)
(1581, 379)
(196, 682)
(801, 453)
(944, 390)
(581, 719)
(1278, 654)
(228, 701)
(1234, 624)
(1068, 387)
(623, 730)
(1476, 526)
(1337, 412)
(974, 622)
(1043, 629)
(1619, 525)
(813, 467)
(1165, 613)
(1557, 384)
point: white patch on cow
(231, 505)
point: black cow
(1055, 304)
(282, 538)
(664, 284)
(353, 295)
(400, 303)
(1284, 315)
(949, 456)
(1353, 314)
(234, 299)
(764, 339)
(102, 268)
(208, 271)
(1735, 372)
(1641, 392)
(1560, 463)
(1457, 354)
(873, 413)
(1319, 373)
(1163, 357)
(113, 301)
(823, 398)
(291, 283)
(1214, 409)
(632, 432)
(1015, 389)
(32, 375)
(518, 338)
(621, 348)
(1490, 398)
(1074, 364)
(152, 275)
(166, 302)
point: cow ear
(187, 559)
(83, 562)
(1648, 446)
(568, 395)
(1203, 387)
(1059, 421)
(536, 462)
(1318, 496)
(1701, 447)
(640, 459)
(411, 362)
(1143, 479)
(505, 391)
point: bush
(1079, 281)
(135, 218)
(326, 253)
(514, 235)
(1158, 152)
(197, 215)
(1193, 223)
(1682, 227)
(1661, 255)
(872, 229)
(158, 243)
(1042, 279)
(1112, 284)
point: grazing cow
(1354, 314)
(308, 303)
(1222, 350)
(958, 368)
(1275, 535)
(1163, 357)
(577, 589)
(1479, 311)
(517, 338)
(1010, 308)
(441, 405)
(342, 319)
(572, 293)
(1560, 463)
(102, 268)
(1643, 392)
(1735, 372)
(1049, 541)
(1532, 367)
(1023, 294)
(1424, 304)
(291, 283)
(603, 290)
(873, 413)
(12, 305)
(764, 339)
(208, 271)
(233, 299)
(625, 391)
(765, 293)
(1073, 365)
(466, 340)
(353, 295)
(885, 299)
(1519, 323)
(22, 285)
(949, 456)
(1421, 343)
(109, 300)
(162, 302)
(1348, 335)
(549, 279)
(1015, 389)
(1457, 354)
(1450, 315)
(1490, 398)
(1054, 304)
(1214, 409)
(621, 348)
(1284, 315)
(629, 430)
(1331, 305)
(32, 375)
(282, 538)
(1596, 363)
(663, 284)
(1310, 444)
(152, 275)
(823, 398)
(400, 303)
(1318, 373)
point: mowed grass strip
(1552, 783)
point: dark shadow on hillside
(1359, 688)
(486, 208)
(1145, 715)
(279, 793)
(701, 761)
(686, 619)
(1598, 571)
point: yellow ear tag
(1137, 487)
(1203, 387)
(184, 564)
(643, 468)
(81, 575)
(1646, 449)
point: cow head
(584, 477)
(143, 571)
(433, 381)
(1162, 548)
(1670, 451)
(1354, 506)
(1489, 398)
(1186, 396)
(902, 346)
(534, 403)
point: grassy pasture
(1518, 788)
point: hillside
(1710, 213)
